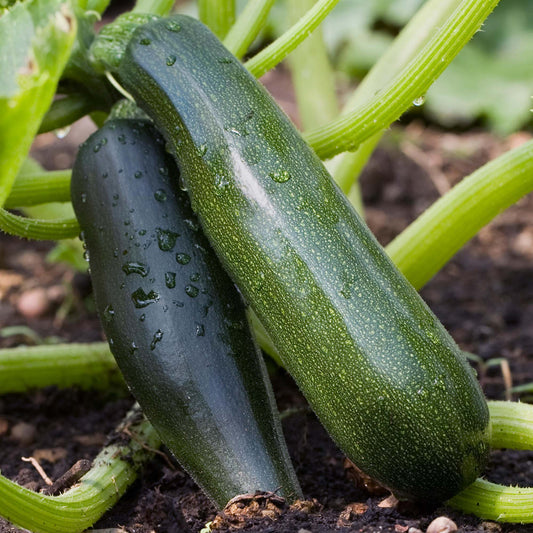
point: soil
(484, 296)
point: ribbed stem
(433, 238)
(32, 228)
(62, 365)
(286, 43)
(39, 188)
(248, 25)
(512, 427)
(113, 470)
(218, 15)
(351, 129)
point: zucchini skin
(175, 322)
(385, 378)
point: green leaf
(35, 42)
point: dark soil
(484, 297)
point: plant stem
(63, 365)
(248, 25)
(67, 110)
(512, 427)
(351, 129)
(413, 37)
(286, 43)
(218, 15)
(312, 75)
(113, 470)
(155, 7)
(32, 228)
(433, 238)
(39, 188)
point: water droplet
(202, 150)
(158, 335)
(195, 276)
(145, 41)
(200, 330)
(181, 184)
(138, 174)
(109, 313)
(192, 291)
(221, 182)
(182, 258)
(235, 131)
(280, 176)
(172, 25)
(163, 171)
(61, 133)
(171, 59)
(225, 60)
(193, 224)
(166, 239)
(105, 175)
(121, 139)
(160, 195)
(170, 279)
(133, 267)
(419, 101)
(142, 299)
(86, 255)
(83, 197)
(142, 317)
(133, 347)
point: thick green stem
(312, 74)
(32, 228)
(351, 129)
(404, 48)
(113, 470)
(218, 15)
(39, 188)
(63, 365)
(248, 25)
(67, 110)
(154, 7)
(512, 427)
(434, 237)
(286, 43)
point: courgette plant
(325, 299)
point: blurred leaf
(492, 77)
(35, 41)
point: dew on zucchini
(166, 239)
(183, 259)
(134, 267)
(142, 299)
(192, 291)
(170, 279)
(160, 195)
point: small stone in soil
(24, 433)
(33, 303)
(442, 524)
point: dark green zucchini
(174, 321)
(383, 375)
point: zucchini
(380, 371)
(173, 319)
